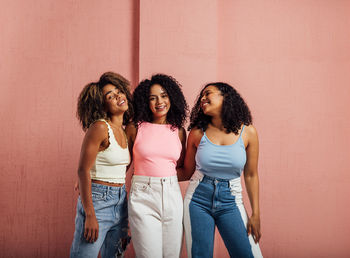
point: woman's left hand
(76, 186)
(253, 227)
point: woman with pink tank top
(157, 142)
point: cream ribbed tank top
(110, 165)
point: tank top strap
(110, 131)
(240, 134)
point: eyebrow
(111, 91)
(107, 93)
(155, 95)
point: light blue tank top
(221, 161)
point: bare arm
(131, 132)
(251, 179)
(182, 137)
(93, 139)
(185, 172)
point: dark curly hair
(177, 113)
(234, 113)
(91, 106)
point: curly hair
(91, 106)
(234, 113)
(177, 113)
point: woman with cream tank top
(157, 139)
(101, 223)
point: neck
(116, 120)
(159, 120)
(216, 122)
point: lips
(121, 103)
(160, 108)
(204, 104)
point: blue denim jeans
(211, 202)
(111, 211)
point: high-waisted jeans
(212, 201)
(111, 211)
(155, 215)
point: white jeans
(155, 216)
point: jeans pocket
(96, 196)
(139, 187)
(236, 189)
(191, 188)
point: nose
(117, 95)
(202, 98)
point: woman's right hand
(91, 228)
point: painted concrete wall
(49, 51)
(291, 62)
(289, 59)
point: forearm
(85, 192)
(252, 186)
(183, 174)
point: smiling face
(115, 100)
(211, 101)
(159, 102)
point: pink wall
(289, 59)
(49, 51)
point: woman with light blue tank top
(101, 222)
(221, 145)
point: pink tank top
(156, 150)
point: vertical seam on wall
(135, 55)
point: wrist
(256, 214)
(90, 214)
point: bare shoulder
(182, 132)
(131, 130)
(182, 135)
(98, 131)
(195, 135)
(250, 130)
(98, 127)
(196, 132)
(130, 127)
(251, 135)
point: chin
(205, 111)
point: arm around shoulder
(182, 137)
(194, 138)
(131, 132)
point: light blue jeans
(111, 211)
(211, 202)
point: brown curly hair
(91, 106)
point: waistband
(106, 188)
(154, 180)
(197, 175)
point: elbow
(250, 175)
(82, 172)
